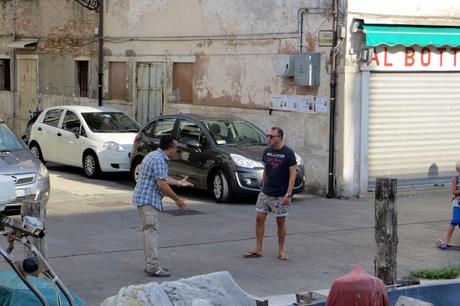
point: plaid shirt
(154, 167)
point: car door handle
(39, 129)
(59, 134)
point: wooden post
(37, 209)
(386, 234)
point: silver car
(28, 172)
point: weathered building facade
(220, 57)
(48, 53)
(396, 99)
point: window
(160, 128)
(5, 74)
(71, 122)
(110, 122)
(8, 140)
(52, 117)
(183, 82)
(117, 81)
(188, 131)
(82, 78)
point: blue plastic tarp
(13, 291)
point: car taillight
(137, 139)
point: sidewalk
(95, 243)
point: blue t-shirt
(277, 163)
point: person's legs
(150, 231)
(281, 222)
(262, 208)
(281, 211)
(260, 230)
(450, 231)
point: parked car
(29, 174)
(97, 139)
(222, 155)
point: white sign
(292, 103)
(414, 58)
(321, 104)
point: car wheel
(135, 170)
(35, 149)
(221, 187)
(91, 165)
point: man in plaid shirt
(152, 185)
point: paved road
(95, 245)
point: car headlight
(111, 145)
(298, 159)
(42, 172)
(244, 162)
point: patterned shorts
(267, 204)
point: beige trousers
(150, 232)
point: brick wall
(61, 26)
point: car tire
(135, 169)
(91, 167)
(35, 149)
(221, 188)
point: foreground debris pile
(217, 288)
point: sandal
(252, 254)
(283, 257)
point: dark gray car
(28, 172)
(222, 155)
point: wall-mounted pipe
(100, 69)
(13, 65)
(300, 15)
(333, 88)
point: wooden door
(27, 88)
(149, 85)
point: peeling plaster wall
(235, 44)
(147, 18)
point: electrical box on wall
(285, 65)
(307, 69)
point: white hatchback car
(93, 138)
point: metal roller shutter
(414, 127)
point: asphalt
(95, 244)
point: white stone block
(212, 289)
(407, 301)
(150, 294)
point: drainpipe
(300, 15)
(100, 35)
(13, 65)
(333, 89)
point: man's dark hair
(279, 131)
(166, 142)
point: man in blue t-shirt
(277, 185)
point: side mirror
(193, 144)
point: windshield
(8, 140)
(110, 122)
(235, 132)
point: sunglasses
(271, 136)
